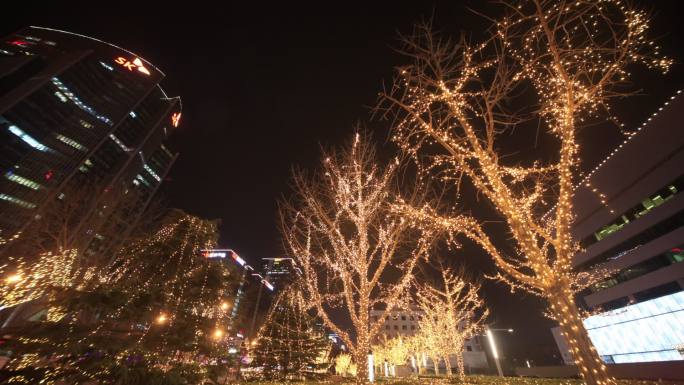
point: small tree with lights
(290, 342)
(547, 65)
(356, 254)
(453, 312)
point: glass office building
(647, 331)
(77, 113)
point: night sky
(264, 85)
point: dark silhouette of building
(77, 112)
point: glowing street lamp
(218, 334)
(161, 318)
(492, 344)
(224, 305)
(14, 278)
(371, 367)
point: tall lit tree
(355, 253)
(453, 312)
(552, 65)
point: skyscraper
(76, 114)
(280, 271)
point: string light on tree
(344, 235)
(454, 102)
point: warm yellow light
(14, 278)
(161, 319)
(224, 305)
(218, 334)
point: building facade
(405, 323)
(79, 114)
(630, 221)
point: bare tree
(355, 252)
(547, 65)
(453, 312)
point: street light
(371, 367)
(14, 278)
(161, 319)
(492, 344)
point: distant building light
(215, 254)
(237, 258)
(27, 138)
(107, 66)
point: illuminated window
(119, 143)
(22, 181)
(27, 138)
(87, 164)
(61, 97)
(70, 95)
(166, 150)
(154, 174)
(143, 180)
(107, 66)
(658, 198)
(17, 201)
(71, 142)
(647, 331)
(85, 124)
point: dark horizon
(263, 87)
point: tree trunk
(435, 363)
(590, 366)
(361, 360)
(459, 364)
(447, 364)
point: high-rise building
(77, 113)
(279, 271)
(630, 221)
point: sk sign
(132, 65)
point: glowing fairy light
(453, 103)
(344, 235)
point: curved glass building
(82, 129)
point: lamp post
(492, 344)
(371, 367)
